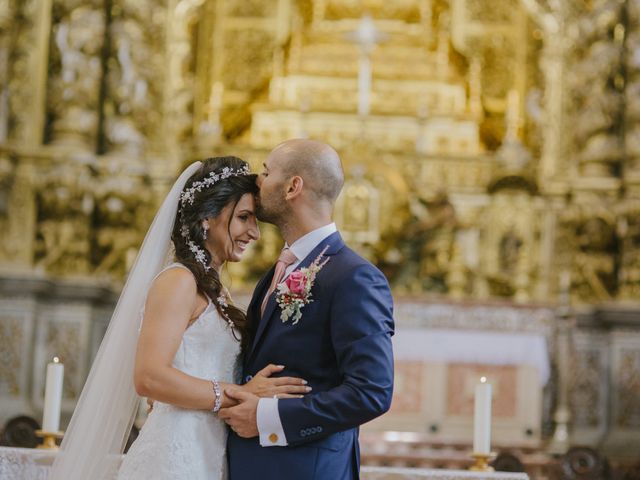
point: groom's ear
(294, 187)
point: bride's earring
(205, 232)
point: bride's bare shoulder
(176, 281)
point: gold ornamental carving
(492, 141)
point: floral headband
(188, 196)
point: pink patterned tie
(285, 259)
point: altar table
(395, 473)
(33, 464)
(437, 368)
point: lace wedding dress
(176, 443)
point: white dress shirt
(267, 416)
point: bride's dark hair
(209, 202)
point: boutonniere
(295, 292)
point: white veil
(98, 431)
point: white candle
(482, 418)
(53, 396)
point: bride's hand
(262, 385)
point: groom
(341, 343)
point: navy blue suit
(342, 347)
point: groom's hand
(242, 417)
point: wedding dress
(177, 443)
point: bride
(175, 336)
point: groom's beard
(272, 211)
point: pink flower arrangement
(296, 282)
(295, 292)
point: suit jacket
(342, 347)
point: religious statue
(629, 230)
(7, 176)
(76, 85)
(358, 210)
(63, 232)
(426, 244)
(593, 239)
(120, 218)
(133, 76)
(509, 252)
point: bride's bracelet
(218, 401)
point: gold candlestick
(49, 439)
(481, 462)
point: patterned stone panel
(408, 387)
(16, 349)
(588, 386)
(100, 323)
(63, 339)
(16, 327)
(628, 389)
(623, 433)
(485, 317)
(11, 339)
(62, 332)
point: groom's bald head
(316, 162)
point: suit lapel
(333, 243)
(258, 293)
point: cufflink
(247, 379)
(273, 438)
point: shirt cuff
(269, 424)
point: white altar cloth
(33, 464)
(25, 463)
(393, 473)
(473, 346)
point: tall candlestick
(53, 396)
(482, 418)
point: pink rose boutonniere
(296, 282)
(295, 292)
